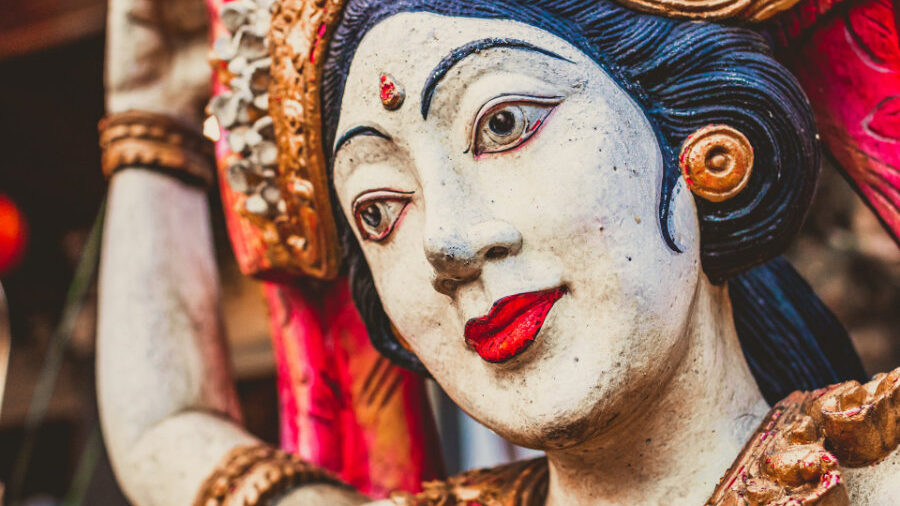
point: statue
(568, 213)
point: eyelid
(493, 103)
(378, 194)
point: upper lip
(504, 311)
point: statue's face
(513, 232)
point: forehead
(409, 45)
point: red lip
(511, 325)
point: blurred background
(51, 192)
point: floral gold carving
(716, 162)
(270, 62)
(794, 457)
(298, 37)
(785, 462)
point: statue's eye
(507, 122)
(377, 215)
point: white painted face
(533, 171)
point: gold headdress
(270, 60)
(748, 11)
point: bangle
(156, 142)
(254, 475)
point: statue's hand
(157, 57)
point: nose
(458, 255)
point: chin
(555, 430)
(564, 406)
(583, 424)
(562, 434)
(549, 418)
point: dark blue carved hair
(685, 75)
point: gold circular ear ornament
(716, 162)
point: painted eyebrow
(357, 131)
(458, 54)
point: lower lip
(511, 325)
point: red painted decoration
(13, 235)
(387, 89)
(511, 325)
(849, 65)
(320, 34)
(392, 95)
(343, 405)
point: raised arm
(168, 405)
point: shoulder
(520, 483)
(822, 447)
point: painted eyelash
(373, 197)
(495, 102)
(368, 195)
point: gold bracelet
(156, 142)
(254, 475)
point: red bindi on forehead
(392, 94)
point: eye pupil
(371, 215)
(502, 123)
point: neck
(674, 449)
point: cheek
(402, 278)
(657, 287)
(618, 220)
(633, 289)
(607, 176)
(654, 284)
